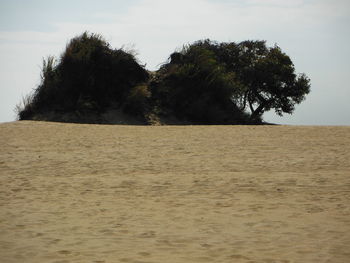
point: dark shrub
(89, 76)
(196, 87)
(137, 102)
(90, 68)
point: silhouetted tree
(196, 87)
(266, 73)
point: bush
(137, 103)
(196, 87)
(89, 75)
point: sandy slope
(89, 193)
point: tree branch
(251, 106)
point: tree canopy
(265, 76)
(195, 86)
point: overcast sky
(314, 33)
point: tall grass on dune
(24, 109)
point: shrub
(137, 102)
(89, 75)
(196, 87)
(90, 68)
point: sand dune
(103, 193)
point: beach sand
(138, 194)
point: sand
(104, 193)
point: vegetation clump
(89, 77)
(229, 83)
(196, 86)
(203, 83)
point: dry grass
(89, 193)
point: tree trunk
(251, 106)
(260, 109)
(257, 112)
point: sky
(314, 33)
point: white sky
(314, 33)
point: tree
(268, 77)
(196, 87)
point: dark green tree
(196, 87)
(268, 76)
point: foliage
(89, 76)
(196, 87)
(206, 82)
(267, 76)
(137, 102)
